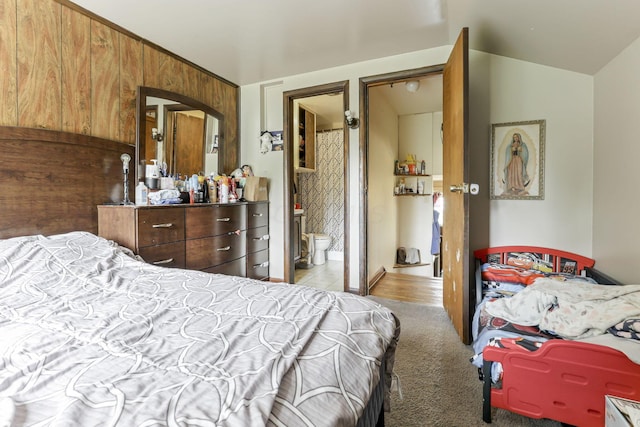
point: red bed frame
(563, 380)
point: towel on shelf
(413, 256)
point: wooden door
(455, 230)
(150, 146)
(189, 144)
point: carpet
(439, 385)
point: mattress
(93, 336)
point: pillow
(501, 273)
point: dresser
(228, 238)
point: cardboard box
(621, 412)
(255, 189)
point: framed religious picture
(517, 160)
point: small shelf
(410, 265)
(412, 194)
(411, 174)
(413, 185)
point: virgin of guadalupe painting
(517, 160)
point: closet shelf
(411, 265)
(412, 194)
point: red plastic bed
(563, 380)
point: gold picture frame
(517, 160)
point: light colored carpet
(440, 387)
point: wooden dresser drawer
(158, 226)
(236, 267)
(257, 215)
(167, 255)
(257, 239)
(258, 265)
(212, 251)
(215, 220)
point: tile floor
(328, 276)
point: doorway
(380, 188)
(319, 103)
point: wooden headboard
(51, 181)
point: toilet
(321, 243)
(316, 245)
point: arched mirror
(182, 135)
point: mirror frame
(142, 93)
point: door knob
(465, 188)
(460, 188)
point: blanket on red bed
(571, 310)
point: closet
(400, 200)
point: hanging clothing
(438, 205)
(435, 234)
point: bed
(92, 335)
(549, 340)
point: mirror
(183, 135)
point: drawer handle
(226, 248)
(223, 219)
(257, 214)
(263, 264)
(265, 237)
(165, 225)
(164, 261)
(236, 232)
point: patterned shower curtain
(322, 192)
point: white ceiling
(249, 41)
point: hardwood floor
(407, 288)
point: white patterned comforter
(571, 309)
(91, 336)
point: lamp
(352, 122)
(125, 170)
(412, 86)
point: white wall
(518, 91)
(271, 165)
(382, 210)
(617, 150)
(522, 91)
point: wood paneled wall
(63, 68)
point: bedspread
(572, 310)
(92, 336)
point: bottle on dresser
(141, 194)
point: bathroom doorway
(316, 186)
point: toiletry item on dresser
(233, 196)
(204, 188)
(224, 190)
(141, 194)
(213, 190)
(167, 183)
(193, 189)
(152, 175)
(423, 168)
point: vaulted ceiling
(249, 41)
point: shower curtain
(322, 192)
